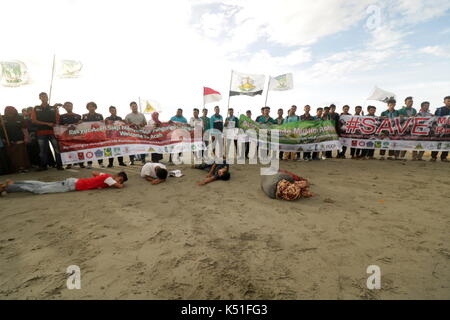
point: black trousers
(444, 155)
(355, 152)
(111, 160)
(367, 152)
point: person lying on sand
(154, 172)
(98, 181)
(215, 172)
(285, 185)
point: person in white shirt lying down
(154, 172)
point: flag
(246, 84)
(210, 95)
(69, 68)
(282, 82)
(381, 95)
(150, 106)
(13, 73)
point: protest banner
(429, 133)
(96, 140)
(308, 136)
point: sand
(227, 240)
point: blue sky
(168, 50)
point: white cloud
(437, 51)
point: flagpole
(51, 82)
(140, 108)
(267, 92)
(229, 96)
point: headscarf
(292, 191)
(155, 118)
(11, 112)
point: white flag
(13, 73)
(282, 82)
(246, 84)
(149, 106)
(69, 68)
(381, 95)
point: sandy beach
(228, 240)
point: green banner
(300, 135)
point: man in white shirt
(197, 122)
(138, 121)
(154, 172)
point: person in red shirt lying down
(98, 181)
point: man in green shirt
(407, 111)
(390, 113)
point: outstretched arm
(207, 180)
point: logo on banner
(117, 151)
(108, 152)
(386, 144)
(99, 153)
(70, 157)
(361, 143)
(354, 143)
(126, 150)
(370, 144)
(89, 155)
(80, 156)
(151, 149)
(377, 144)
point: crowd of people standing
(27, 139)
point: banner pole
(229, 91)
(51, 82)
(140, 108)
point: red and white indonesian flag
(210, 95)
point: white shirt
(196, 122)
(149, 169)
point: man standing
(248, 113)
(442, 112)
(345, 112)
(216, 123)
(196, 122)
(232, 122)
(92, 116)
(317, 117)
(138, 121)
(206, 126)
(424, 112)
(70, 118)
(407, 111)
(355, 152)
(305, 117)
(368, 154)
(178, 117)
(45, 117)
(390, 113)
(109, 121)
(265, 118)
(279, 119)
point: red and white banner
(430, 133)
(95, 140)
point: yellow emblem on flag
(149, 108)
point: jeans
(43, 149)
(39, 187)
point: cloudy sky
(168, 50)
